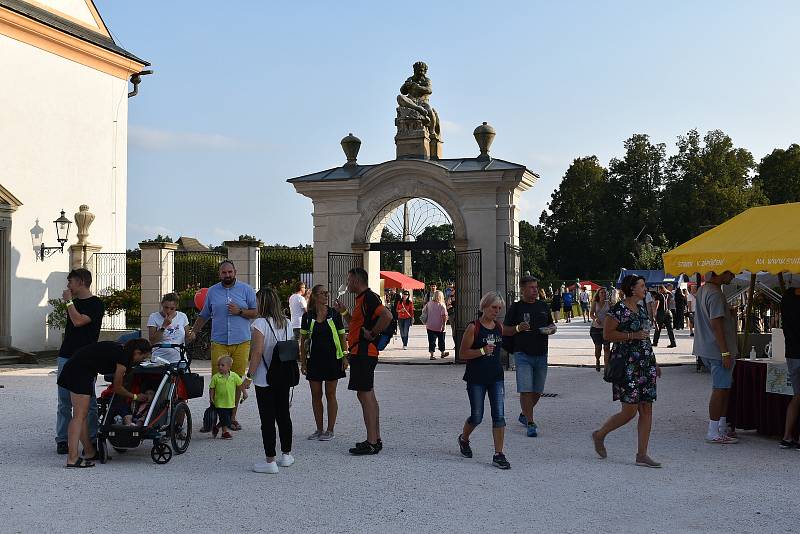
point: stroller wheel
(180, 428)
(121, 451)
(161, 453)
(102, 451)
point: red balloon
(200, 298)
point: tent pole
(747, 315)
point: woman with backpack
(270, 328)
(322, 343)
(480, 347)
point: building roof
(451, 165)
(67, 26)
(191, 244)
(8, 198)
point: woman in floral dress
(627, 326)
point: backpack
(283, 370)
(382, 340)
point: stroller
(167, 420)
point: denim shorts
(497, 394)
(721, 378)
(793, 365)
(531, 372)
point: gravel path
(419, 483)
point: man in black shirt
(664, 316)
(84, 316)
(790, 316)
(523, 321)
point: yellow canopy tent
(763, 239)
(760, 239)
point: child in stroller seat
(123, 413)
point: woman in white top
(297, 307)
(167, 326)
(270, 327)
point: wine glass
(526, 318)
(341, 291)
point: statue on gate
(415, 114)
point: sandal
(433, 357)
(236, 426)
(80, 463)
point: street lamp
(62, 233)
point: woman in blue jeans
(480, 347)
(404, 309)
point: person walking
(298, 304)
(434, 315)
(664, 316)
(523, 322)
(627, 326)
(480, 347)
(680, 308)
(583, 298)
(555, 305)
(790, 317)
(567, 300)
(270, 327)
(690, 302)
(84, 317)
(715, 345)
(598, 312)
(322, 361)
(405, 316)
(367, 320)
(231, 305)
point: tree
(570, 229)
(391, 260)
(533, 250)
(779, 175)
(434, 265)
(707, 183)
(630, 201)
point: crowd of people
(251, 338)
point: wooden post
(748, 311)
(782, 282)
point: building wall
(63, 143)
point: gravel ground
(419, 483)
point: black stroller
(166, 419)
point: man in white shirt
(168, 327)
(297, 307)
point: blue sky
(247, 94)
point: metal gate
(469, 289)
(195, 269)
(109, 276)
(339, 264)
(513, 268)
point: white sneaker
(721, 440)
(326, 436)
(285, 460)
(266, 467)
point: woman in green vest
(322, 343)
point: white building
(64, 87)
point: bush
(57, 319)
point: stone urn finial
(351, 145)
(83, 220)
(484, 135)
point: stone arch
(393, 184)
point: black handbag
(283, 371)
(615, 370)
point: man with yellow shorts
(231, 305)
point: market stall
(757, 243)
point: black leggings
(433, 337)
(273, 407)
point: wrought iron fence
(195, 269)
(282, 265)
(109, 280)
(339, 264)
(469, 289)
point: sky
(248, 94)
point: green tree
(707, 182)
(434, 265)
(391, 260)
(569, 230)
(630, 202)
(533, 250)
(779, 175)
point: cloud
(151, 230)
(155, 139)
(223, 234)
(450, 127)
